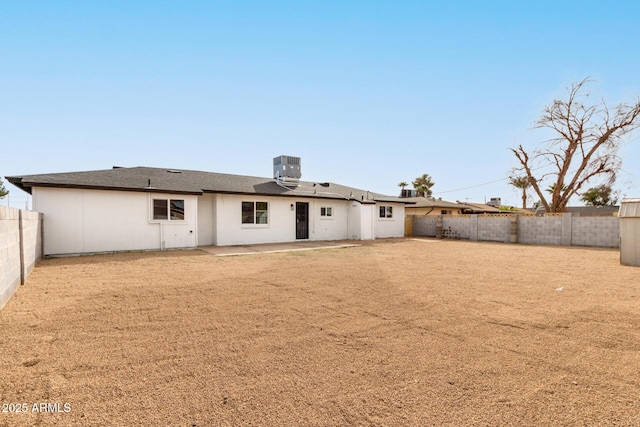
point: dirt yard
(392, 333)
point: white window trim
(327, 217)
(254, 225)
(168, 220)
(391, 218)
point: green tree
(585, 144)
(521, 183)
(601, 195)
(423, 184)
(402, 185)
(3, 191)
(552, 188)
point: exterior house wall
(390, 227)
(87, 221)
(206, 229)
(354, 222)
(368, 227)
(282, 220)
(328, 228)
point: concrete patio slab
(274, 247)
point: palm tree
(402, 185)
(521, 183)
(423, 185)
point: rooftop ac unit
(286, 170)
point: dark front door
(302, 220)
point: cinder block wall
(562, 229)
(424, 226)
(10, 260)
(601, 231)
(32, 239)
(540, 230)
(9, 253)
(494, 228)
(456, 227)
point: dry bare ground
(400, 332)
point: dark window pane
(262, 213)
(389, 211)
(383, 211)
(323, 211)
(329, 211)
(177, 209)
(247, 213)
(160, 209)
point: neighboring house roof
(593, 210)
(145, 179)
(479, 208)
(476, 208)
(429, 202)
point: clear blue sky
(367, 93)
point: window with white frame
(255, 213)
(168, 209)
(326, 212)
(386, 211)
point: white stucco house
(142, 208)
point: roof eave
(109, 188)
(17, 181)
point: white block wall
(548, 230)
(494, 228)
(455, 227)
(10, 248)
(31, 243)
(9, 253)
(536, 230)
(596, 231)
(424, 226)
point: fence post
(41, 224)
(566, 229)
(514, 228)
(439, 227)
(21, 244)
(473, 228)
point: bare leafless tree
(585, 146)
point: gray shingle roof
(180, 181)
